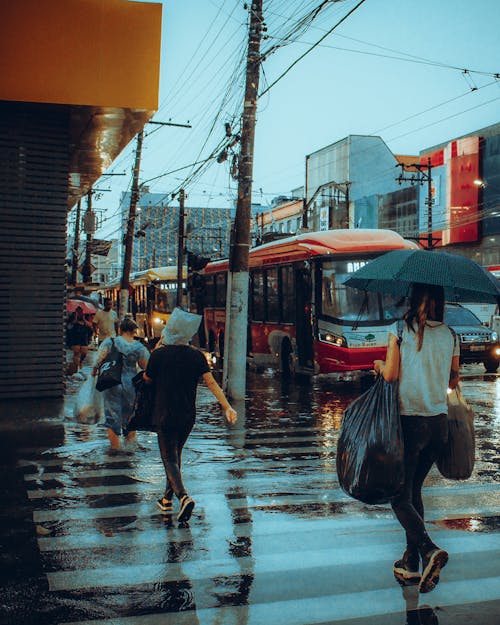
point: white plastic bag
(180, 327)
(89, 404)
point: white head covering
(180, 327)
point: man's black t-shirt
(175, 370)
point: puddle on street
(471, 524)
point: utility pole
(234, 374)
(76, 245)
(424, 174)
(347, 202)
(89, 226)
(129, 235)
(180, 247)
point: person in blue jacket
(119, 400)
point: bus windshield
(165, 297)
(346, 304)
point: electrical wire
(204, 163)
(290, 67)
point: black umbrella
(394, 272)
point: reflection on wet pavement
(272, 539)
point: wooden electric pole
(234, 375)
(129, 235)
(180, 247)
(89, 226)
(76, 245)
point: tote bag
(110, 369)
(457, 459)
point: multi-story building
(345, 179)
(108, 268)
(284, 216)
(207, 230)
(354, 183)
(465, 176)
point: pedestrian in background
(106, 321)
(175, 369)
(426, 362)
(78, 334)
(119, 400)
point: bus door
(304, 334)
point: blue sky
(392, 69)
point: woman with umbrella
(426, 363)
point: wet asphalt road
(273, 539)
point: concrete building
(108, 268)
(353, 183)
(79, 79)
(207, 229)
(344, 180)
(284, 217)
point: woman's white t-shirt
(424, 375)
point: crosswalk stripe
(91, 537)
(315, 485)
(266, 563)
(313, 611)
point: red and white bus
(301, 316)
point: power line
(283, 74)
(411, 59)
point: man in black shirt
(175, 369)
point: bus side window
(150, 297)
(272, 294)
(209, 291)
(258, 295)
(287, 295)
(220, 290)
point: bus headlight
(494, 337)
(328, 337)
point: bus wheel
(287, 364)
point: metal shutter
(34, 156)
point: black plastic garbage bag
(457, 460)
(370, 449)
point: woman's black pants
(424, 438)
(171, 442)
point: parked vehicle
(478, 344)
